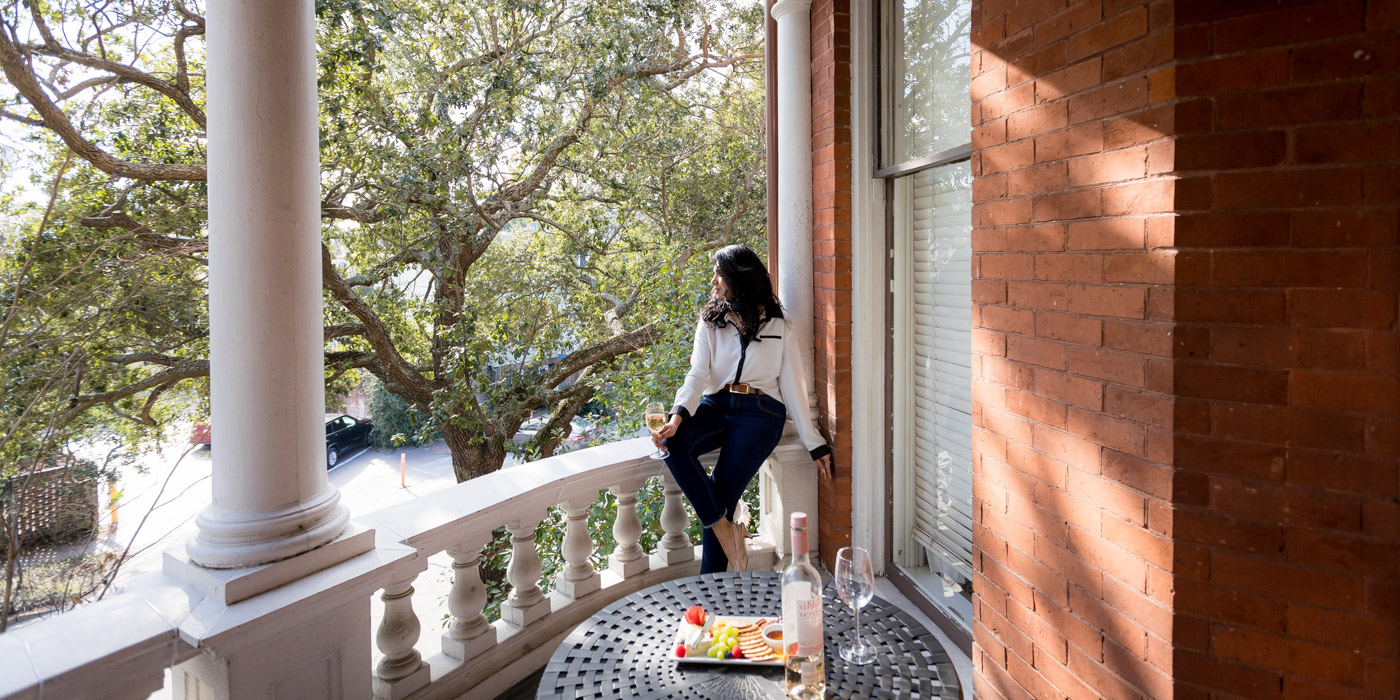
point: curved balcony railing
(157, 623)
(485, 658)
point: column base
(578, 589)
(403, 687)
(233, 539)
(311, 638)
(676, 556)
(629, 568)
(524, 615)
(463, 649)
(306, 654)
(787, 484)
(228, 586)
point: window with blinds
(940, 287)
(925, 143)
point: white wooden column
(794, 57)
(783, 490)
(871, 284)
(270, 496)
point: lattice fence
(49, 506)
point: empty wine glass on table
(855, 583)
(656, 420)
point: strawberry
(680, 650)
(695, 615)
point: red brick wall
(1287, 444)
(1186, 348)
(1072, 348)
(831, 264)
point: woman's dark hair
(751, 298)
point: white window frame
(869, 298)
(881, 519)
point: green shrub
(396, 423)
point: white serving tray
(683, 629)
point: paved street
(174, 489)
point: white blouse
(770, 364)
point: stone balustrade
(484, 658)
(160, 624)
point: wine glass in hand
(855, 583)
(656, 420)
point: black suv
(343, 434)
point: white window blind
(941, 282)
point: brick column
(1287, 441)
(831, 252)
(1072, 350)
(1186, 349)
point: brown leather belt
(743, 389)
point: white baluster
(402, 670)
(628, 559)
(578, 578)
(676, 546)
(469, 633)
(526, 602)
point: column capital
(782, 8)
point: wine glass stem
(859, 642)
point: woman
(745, 376)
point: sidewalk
(172, 491)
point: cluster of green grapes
(725, 644)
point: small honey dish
(773, 636)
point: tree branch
(89, 83)
(182, 71)
(144, 236)
(194, 19)
(188, 369)
(153, 358)
(18, 72)
(342, 330)
(357, 214)
(604, 351)
(519, 190)
(177, 95)
(388, 358)
(21, 119)
(343, 362)
(386, 268)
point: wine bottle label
(809, 626)
(802, 617)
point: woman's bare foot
(731, 540)
(739, 560)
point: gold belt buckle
(741, 389)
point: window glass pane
(933, 223)
(941, 227)
(929, 89)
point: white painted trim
(868, 299)
(905, 551)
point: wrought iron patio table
(626, 649)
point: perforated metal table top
(626, 649)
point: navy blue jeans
(744, 428)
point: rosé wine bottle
(802, 620)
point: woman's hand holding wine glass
(657, 424)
